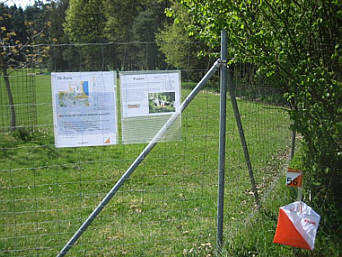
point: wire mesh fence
(19, 86)
(168, 206)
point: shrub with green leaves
(297, 46)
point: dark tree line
(106, 34)
(75, 35)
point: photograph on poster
(161, 102)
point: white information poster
(148, 99)
(84, 108)
(145, 94)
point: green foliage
(255, 237)
(16, 33)
(120, 18)
(296, 45)
(120, 22)
(60, 57)
(175, 44)
(22, 134)
(147, 53)
(135, 21)
(12, 34)
(81, 21)
(85, 21)
(182, 50)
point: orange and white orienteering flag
(297, 226)
(293, 178)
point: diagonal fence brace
(139, 159)
(242, 137)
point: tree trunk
(13, 123)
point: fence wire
(168, 206)
(23, 95)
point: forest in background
(141, 25)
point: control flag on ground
(297, 226)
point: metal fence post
(138, 160)
(293, 143)
(222, 143)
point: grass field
(167, 207)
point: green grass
(254, 236)
(23, 92)
(166, 208)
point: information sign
(146, 94)
(148, 99)
(84, 108)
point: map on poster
(145, 94)
(84, 108)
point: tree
(37, 27)
(181, 49)
(85, 21)
(56, 20)
(16, 33)
(11, 19)
(144, 29)
(120, 16)
(297, 44)
(123, 23)
(132, 20)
